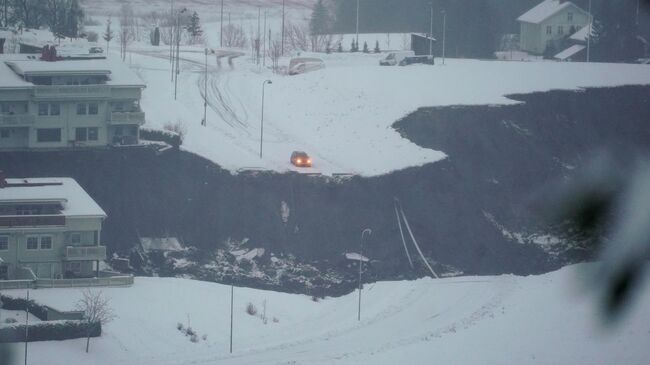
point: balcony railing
(126, 118)
(13, 221)
(72, 91)
(74, 253)
(17, 120)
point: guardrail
(85, 252)
(126, 118)
(16, 284)
(17, 120)
(86, 282)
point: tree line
(63, 17)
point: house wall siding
(534, 37)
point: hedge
(171, 138)
(48, 331)
(19, 304)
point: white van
(394, 58)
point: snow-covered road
(548, 319)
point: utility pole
(357, 24)
(262, 121)
(369, 231)
(205, 92)
(171, 41)
(444, 34)
(263, 36)
(282, 51)
(221, 24)
(589, 31)
(26, 325)
(257, 46)
(178, 51)
(431, 33)
(232, 301)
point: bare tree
(274, 53)
(127, 28)
(234, 36)
(298, 36)
(97, 311)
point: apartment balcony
(71, 91)
(23, 221)
(117, 118)
(85, 253)
(19, 120)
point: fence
(67, 283)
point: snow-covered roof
(544, 10)
(12, 68)
(74, 199)
(356, 257)
(571, 51)
(582, 34)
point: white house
(549, 23)
(50, 228)
(67, 103)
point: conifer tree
(377, 50)
(108, 34)
(365, 47)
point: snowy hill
(547, 319)
(342, 115)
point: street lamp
(363, 234)
(178, 50)
(357, 24)
(204, 122)
(444, 34)
(431, 32)
(262, 122)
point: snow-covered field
(548, 319)
(341, 115)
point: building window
(46, 243)
(48, 135)
(549, 29)
(55, 109)
(75, 238)
(4, 133)
(43, 109)
(32, 243)
(4, 108)
(560, 30)
(93, 108)
(81, 134)
(74, 267)
(4, 272)
(570, 16)
(81, 109)
(93, 134)
(4, 243)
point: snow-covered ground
(548, 319)
(342, 115)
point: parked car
(300, 65)
(300, 159)
(394, 58)
(426, 60)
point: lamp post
(444, 34)
(232, 302)
(357, 24)
(363, 234)
(589, 30)
(205, 92)
(431, 32)
(262, 122)
(178, 51)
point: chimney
(3, 181)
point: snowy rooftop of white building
(75, 200)
(569, 52)
(581, 35)
(13, 68)
(544, 10)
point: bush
(179, 326)
(204, 337)
(19, 304)
(251, 309)
(275, 320)
(92, 37)
(11, 320)
(190, 332)
(49, 331)
(194, 338)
